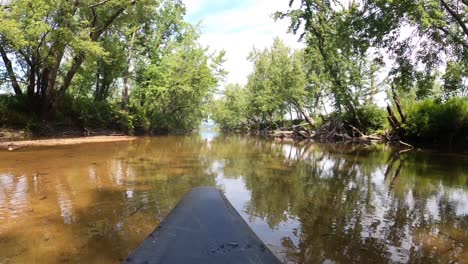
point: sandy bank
(12, 145)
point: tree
(337, 55)
(175, 89)
(278, 82)
(276, 87)
(231, 110)
(438, 40)
(50, 40)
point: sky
(237, 26)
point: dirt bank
(13, 145)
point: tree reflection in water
(353, 203)
(310, 203)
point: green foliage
(139, 118)
(230, 112)
(437, 122)
(339, 65)
(76, 58)
(86, 113)
(372, 118)
(175, 90)
(14, 112)
(52, 40)
(277, 82)
(342, 37)
(453, 79)
(277, 86)
(79, 60)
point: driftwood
(398, 105)
(393, 120)
(282, 134)
(366, 137)
(405, 144)
(397, 126)
(334, 130)
(330, 132)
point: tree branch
(79, 58)
(455, 38)
(98, 4)
(96, 34)
(455, 16)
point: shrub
(371, 118)
(15, 113)
(85, 112)
(437, 122)
(140, 121)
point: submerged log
(303, 134)
(282, 134)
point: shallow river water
(310, 203)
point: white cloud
(239, 29)
(194, 6)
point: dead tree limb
(398, 105)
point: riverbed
(310, 203)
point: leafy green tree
(51, 40)
(339, 32)
(174, 90)
(231, 110)
(442, 40)
(331, 46)
(278, 82)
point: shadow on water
(82, 204)
(310, 203)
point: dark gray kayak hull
(203, 228)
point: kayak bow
(203, 228)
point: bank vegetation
(361, 76)
(91, 67)
(136, 67)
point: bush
(85, 112)
(371, 118)
(15, 113)
(140, 121)
(437, 122)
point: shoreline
(52, 142)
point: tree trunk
(125, 97)
(307, 117)
(76, 64)
(457, 17)
(11, 73)
(32, 79)
(97, 92)
(398, 105)
(50, 75)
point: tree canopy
(425, 41)
(138, 54)
(355, 51)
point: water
(310, 203)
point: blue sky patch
(211, 7)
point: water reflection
(310, 203)
(353, 204)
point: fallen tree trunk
(309, 119)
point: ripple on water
(14, 195)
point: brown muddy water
(309, 203)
